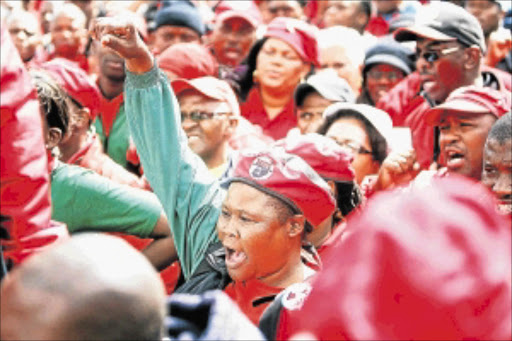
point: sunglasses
(352, 146)
(198, 116)
(433, 55)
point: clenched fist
(120, 35)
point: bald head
(92, 287)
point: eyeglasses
(353, 146)
(391, 75)
(434, 55)
(198, 116)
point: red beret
(75, 82)
(324, 155)
(472, 99)
(299, 34)
(188, 61)
(430, 263)
(288, 178)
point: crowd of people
(276, 169)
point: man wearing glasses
(449, 53)
(209, 117)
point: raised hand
(120, 35)
(397, 169)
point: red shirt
(245, 294)
(276, 128)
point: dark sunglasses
(433, 55)
(198, 116)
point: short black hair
(501, 129)
(378, 143)
(53, 100)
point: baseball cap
(378, 118)
(246, 10)
(210, 87)
(324, 155)
(75, 82)
(392, 268)
(387, 51)
(180, 13)
(328, 84)
(299, 34)
(288, 178)
(471, 99)
(444, 22)
(188, 60)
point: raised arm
(191, 197)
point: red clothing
(406, 107)
(80, 60)
(277, 128)
(92, 157)
(24, 177)
(247, 293)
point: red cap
(246, 10)
(188, 60)
(472, 99)
(300, 35)
(210, 87)
(431, 263)
(288, 178)
(324, 155)
(75, 82)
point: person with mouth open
(259, 221)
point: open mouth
(234, 259)
(454, 159)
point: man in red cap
(270, 196)
(464, 121)
(450, 48)
(432, 263)
(83, 147)
(234, 33)
(209, 116)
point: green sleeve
(190, 195)
(86, 201)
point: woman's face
(350, 134)
(279, 66)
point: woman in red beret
(276, 65)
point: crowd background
(292, 169)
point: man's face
(350, 134)
(335, 57)
(497, 172)
(285, 8)
(440, 77)
(232, 40)
(487, 12)
(207, 136)
(67, 35)
(380, 78)
(309, 115)
(256, 241)
(279, 66)
(25, 35)
(167, 35)
(341, 12)
(462, 140)
(111, 65)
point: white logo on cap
(261, 168)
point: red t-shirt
(252, 297)
(276, 128)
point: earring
(255, 76)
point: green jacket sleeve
(190, 195)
